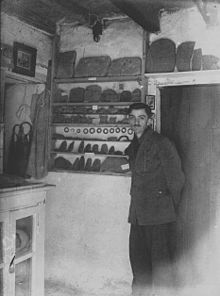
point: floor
(57, 289)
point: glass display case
(22, 207)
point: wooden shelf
(91, 154)
(15, 78)
(184, 78)
(115, 125)
(128, 174)
(90, 114)
(92, 104)
(87, 141)
(98, 79)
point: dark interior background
(190, 118)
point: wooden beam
(147, 16)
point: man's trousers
(152, 250)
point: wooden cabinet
(22, 206)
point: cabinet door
(5, 253)
(26, 271)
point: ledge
(98, 79)
(15, 78)
(128, 174)
(184, 78)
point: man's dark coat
(157, 179)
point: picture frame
(150, 101)
(24, 58)
(151, 123)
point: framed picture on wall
(152, 124)
(150, 101)
(24, 58)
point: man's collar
(148, 131)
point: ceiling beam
(147, 16)
(25, 14)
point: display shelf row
(80, 147)
(99, 79)
(89, 154)
(103, 132)
(90, 119)
(88, 163)
(92, 103)
(91, 109)
(55, 170)
(115, 126)
(112, 140)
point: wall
(189, 25)
(87, 235)
(14, 30)
(119, 39)
(18, 96)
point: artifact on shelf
(125, 96)
(92, 93)
(104, 149)
(62, 163)
(125, 66)
(93, 66)
(96, 165)
(197, 59)
(60, 96)
(210, 62)
(82, 163)
(184, 56)
(66, 64)
(88, 165)
(76, 95)
(75, 166)
(109, 95)
(115, 165)
(136, 95)
(161, 56)
(71, 147)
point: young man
(157, 181)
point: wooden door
(190, 118)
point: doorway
(190, 117)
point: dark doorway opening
(190, 117)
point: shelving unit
(92, 123)
(96, 122)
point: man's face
(138, 120)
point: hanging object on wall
(97, 30)
(24, 58)
(19, 149)
(96, 25)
